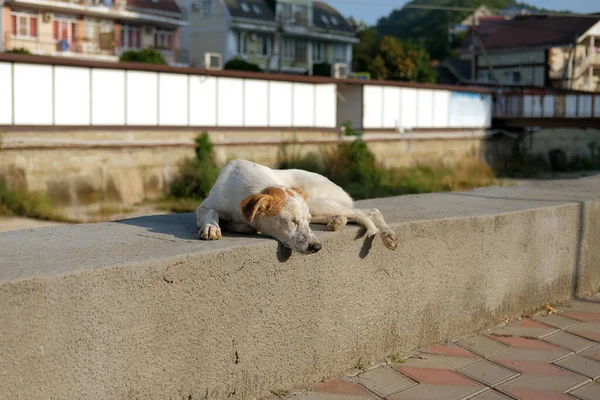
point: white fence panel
(372, 107)
(441, 108)
(548, 106)
(585, 106)
(230, 105)
(571, 105)
(470, 110)
(424, 108)
(303, 105)
(203, 101)
(527, 105)
(108, 97)
(391, 107)
(71, 96)
(142, 98)
(173, 99)
(6, 94)
(280, 104)
(33, 94)
(408, 105)
(325, 105)
(256, 103)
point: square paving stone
(436, 376)
(587, 392)
(384, 381)
(582, 365)
(437, 361)
(593, 352)
(490, 395)
(329, 396)
(583, 316)
(557, 321)
(535, 368)
(539, 382)
(544, 356)
(528, 394)
(339, 386)
(569, 341)
(525, 328)
(525, 343)
(450, 350)
(437, 392)
(488, 373)
(483, 346)
(578, 305)
(589, 330)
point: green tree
(430, 27)
(401, 61)
(241, 65)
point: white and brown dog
(249, 197)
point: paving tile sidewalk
(552, 356)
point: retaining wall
(139, 309)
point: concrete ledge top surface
(58, 250)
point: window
(334, 20)
(289, 49)
(256, 9)
(23, 25)
(264, 46)
(131, 37)
(318, 51)
(515, 77)
(301, 47)
(324, 19)
(339, 53)
(242, 43)
(287, 12)
(245, 7)
(163, 39)
(64, 29)
(484, 76)
(206, 8)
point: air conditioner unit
(213, 61)
(253, 37)
(47, 17)
(340, 71)
(148, 29)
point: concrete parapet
(139, 309)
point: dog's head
(283, 214)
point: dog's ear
(301, 192)
(254, 204)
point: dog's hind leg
(390, 240)
(207, 221)
(336, 215)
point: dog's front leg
(208, 223)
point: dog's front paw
(209, 232)
(337, 222)
(390, 240)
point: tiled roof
(533, 32)
(251, 9)
(155, 5)
(327, 17)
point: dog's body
(248, 198)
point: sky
(370, 11)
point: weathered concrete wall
(79, 168)
(139, 309)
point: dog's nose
(314, 247)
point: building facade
(538, 51)
(288, 36)
(94, 29)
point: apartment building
(93, 29)
(287, 36)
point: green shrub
(148, 55)
(32, 205)
(321, 69)
(196, 175)
(18, 50)
(241, 65)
